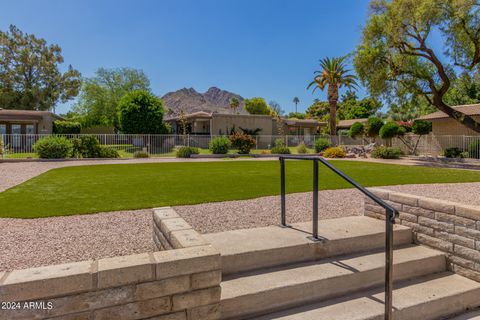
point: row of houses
(204, 123)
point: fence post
(282, 193)
(315, 201)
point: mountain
(189, 101)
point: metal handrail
(390, 213)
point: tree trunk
(464, 119)
(332, 103)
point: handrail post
(282, 192)
(315, 200)
(390, 215)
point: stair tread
(277, 277)
(412, 299)
(474, 315)
(273, 237)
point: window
(30, 129)
(16, 128)
(3, 129)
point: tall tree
(234, 104)
(275, 107)
(30, 78)
(350, 107)
(396, 59)
(257, 105)
(100, 95)
(333, 75)
(296, 101)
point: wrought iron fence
(21, 145)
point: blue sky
(266, 48)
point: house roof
(469, 109)
(11, 114)
(348, 123)
(194, 115)
(302, 122)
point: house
(346, 124)
(26, 121)
(204, 123)
(443, 125)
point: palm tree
(296, 101)
(234, 104)
(333, 75)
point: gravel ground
(35, 242)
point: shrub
(220, 145)
(53, 147)
(243, 142)
(106, 152)
(86, 147)
(141, 154)
(374, 124)
(302, 148)
(357, 129)
(453, 152)
(383, 152)
(321, 144)
(421, 127)
(141, 112)
(343, 132)
(334, 152)
(186, 152)
(66, 127)
(389, 130)
(474, 149)
(280, 147)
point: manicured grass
(88, 189)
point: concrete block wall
(453, 228)
(176, 284)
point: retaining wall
(178, 284)
(453, 228)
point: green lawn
(88, 189)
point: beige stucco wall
(222, 123)
(442, 127)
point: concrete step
(474, 315)
(427, 298)
(259, 292)
(251, 249)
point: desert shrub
(53, 147)
(474, 149)
(302, 148)
(334, 152)
(280, 147)
(357, 129)
(389, 130)
(86, 147)
(374, 124)
(383, 152)
(453, 152)
(106, 152)
(66, 127)
(243, 142)
(186, 152)
(321, 144)
(219, 145)
(141, 154)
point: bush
(243, 142)
(334, 152)
(389, 130)
(383, 152)
(321, 144)
(474, 149)
(219, 145)
(141, 154)
(140, 112)
(343, 132)
(374, 124)
(421, 127)
(453, 152)
(106, 152)
(280, 147)
(66, 127)
(357, 129)
(86, 147)
(186, 152)
(302, 148)
(53, 147)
